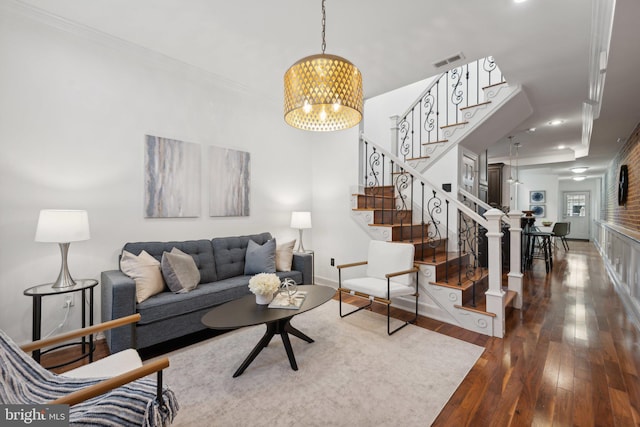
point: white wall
(74, 109)
(542, 180)
(535, 181)
(335, 233)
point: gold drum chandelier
(323, 92)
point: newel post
(515, 258)
(495, 295)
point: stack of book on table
(282, 300)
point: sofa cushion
(260, 258)
(179, 271)
(145, 272)
(284, 256)
(166, 305)
(229, 253)
(200, 250)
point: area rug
(352, 375)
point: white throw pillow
(284, 256)
(145, 271)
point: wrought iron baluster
(366, 172)
(434, 207)
(413, 152)
(446, 247)
(422, 222)
(459, 248)
(467, 82)
(410, 212)
(478, 82)
(382, 188)
(457, 94)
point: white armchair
(389, 273)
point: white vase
(264, 299)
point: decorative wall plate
(623, 185)
(537, 197)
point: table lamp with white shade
(63, 227)
(300, 220)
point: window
(576, 205)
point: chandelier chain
(324, 22)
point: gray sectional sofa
(167, 315)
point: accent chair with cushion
(110, 391)
(390, 273)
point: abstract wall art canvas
(229, 182)
(171, 178)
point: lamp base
(300, 245)
(64, 279)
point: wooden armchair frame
(110, 383)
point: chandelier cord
(324, 23)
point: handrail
(421, 131)
(422, 95)
(483, 205)
(461, 206)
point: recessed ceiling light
(579, 178)
(579, 169)
(561, 147)
(519, 1)
(532, 129)
(556, 122)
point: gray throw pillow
(260, 259)
(180, 271)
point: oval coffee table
(245, 312)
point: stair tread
(394, 225)
(465, 284)
(374, 195)
(475, 105)
(495, 84)
(441, 258)
(453, 124)
(417, 158)
(380, 210)
(481, 303)
(435, 142)
(510, 297)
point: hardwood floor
(572, 359)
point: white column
(515, 247)
(495, 295)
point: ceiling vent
(450, 60)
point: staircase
(457, 249)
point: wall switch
(333, 262)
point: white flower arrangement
(264, 284)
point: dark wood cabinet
(494, 196)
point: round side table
(40, 291)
